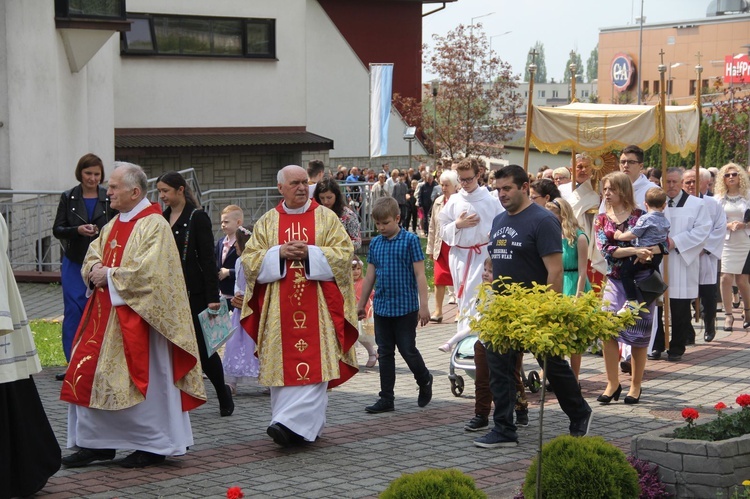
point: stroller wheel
(534, 383)
(457, 386)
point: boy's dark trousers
(483, 395)
(401, 332)
(630, 267)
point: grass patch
(48, 338)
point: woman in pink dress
(436, 247)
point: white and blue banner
(381, 89)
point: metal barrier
(31, 214)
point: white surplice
(712, 250)
(18, 355)
(690, 226)
(468, 248)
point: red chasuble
(298, 302)
(88, 341)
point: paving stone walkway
(360, 453)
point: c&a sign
(622, 72)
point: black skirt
(29, 452)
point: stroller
(462, 357)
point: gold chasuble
(109, 365)
(305, 330)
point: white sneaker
(445, 348)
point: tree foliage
(730, 117)
(592, 65)
(575, 57)
(541, 66)
(476, 101)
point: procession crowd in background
(137, 281)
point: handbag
(652, 287)
(216, 326)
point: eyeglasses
(624, 162)
(466, 180)
(732, 174)
(534, 196)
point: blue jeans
(502, 384)
(401, 332)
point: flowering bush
(544, 322)
(723, 427)
(648, 478)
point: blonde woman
(622, 214)
(575, 245)
(731, 191)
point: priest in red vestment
(134, 370)
(300, 308)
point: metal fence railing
(31, 214)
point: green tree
(541, 65)
(474, 111)
(592, 65)
(574, 57)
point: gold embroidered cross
(301, 345)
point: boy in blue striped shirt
(395, 266)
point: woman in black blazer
(191, 225)
(82, 212)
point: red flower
(743, 400)
(689, 414)
(720, 406)
(234, 493)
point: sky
(560, 26)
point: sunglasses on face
(731, 174)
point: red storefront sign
(736, 69)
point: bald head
(292, 183)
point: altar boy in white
(690, 227)
(465, 223)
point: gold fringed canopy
(600, 128)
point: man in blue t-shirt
(526, 247)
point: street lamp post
(495, 36)
(469, 129)
(435, 85)
(640, 54)
(529, 109)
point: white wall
(53, 116)
(4, 138)
(335, 73)
(317, 82)
(212, 92)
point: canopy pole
(663, 136)
(698, 71)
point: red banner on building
(736, 69)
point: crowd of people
(136, 278)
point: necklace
(733, 199)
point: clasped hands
(735, 225)
(98, 275)
(293, 250)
